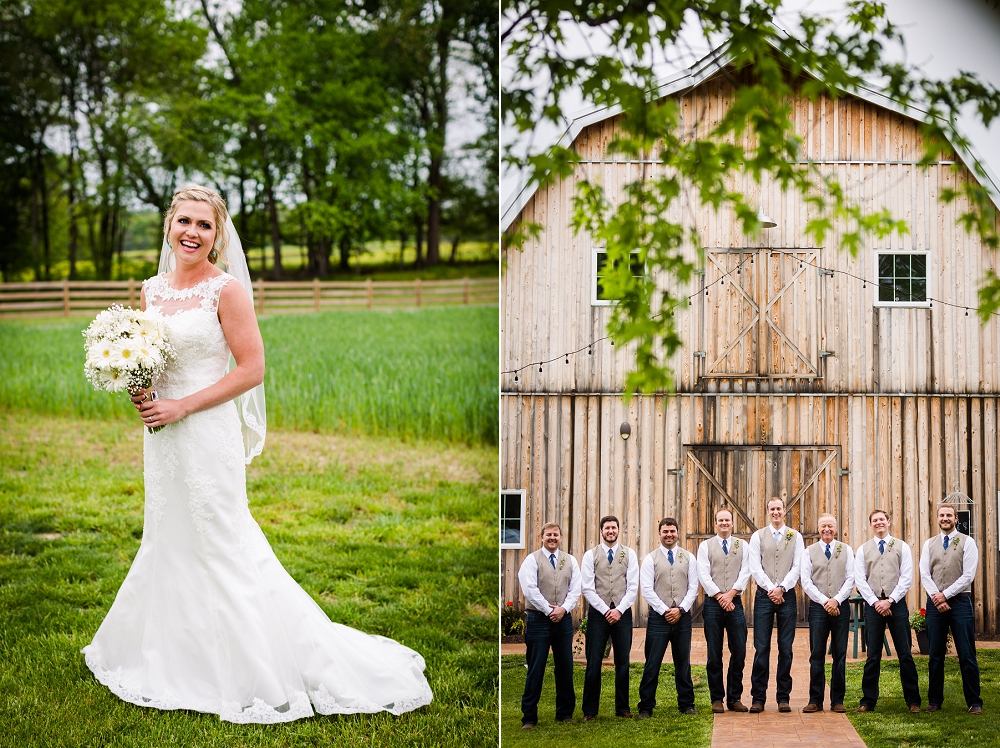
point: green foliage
(755, 138)
(389, 538)
(426, 374)
(511, 620)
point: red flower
(510, 603)
(923, 611)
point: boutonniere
(562, 562)
(956, 541)
(892, 543)
(680, 555)
(788, 536)
(840, 547)
(621, 555)
(736, 544)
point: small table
(858, 626)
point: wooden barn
(800, 374)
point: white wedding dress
(207, 619)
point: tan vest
(725, 567)
(882, 569)
(670, 581)
(609, 579)
(776, 560)
(946, 565)
(828, 574)
(552, 583)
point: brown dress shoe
(589, 717)
(625, 715)
(718, 707)
(756, 708)
(644, 715)
(528, 726)
(933, 708)
(811, 708)
(975, 710)
(567, 721)
(692, 710)
(914, 709)
(838, 708)
(864, 708)
(783, 707)
(737, 706)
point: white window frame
(594, 301)
(904, 304)
(524, 511)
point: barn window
(512, 518)
(598, 296)
(902, 279)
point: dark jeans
(734, 623)
(963, 630)
(898, 625)
(659, 633)
(598, 632)
(764, 614)
(822, 628)
(540, 634)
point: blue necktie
(610, 555)
(946, 539)
(670, 557)
(552, 560)
(828, 550)
(881, 546)
(724, 549)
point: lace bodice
(191, 316)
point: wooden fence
(270, 297)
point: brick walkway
(770, 729)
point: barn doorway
(742, 478)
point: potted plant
(918, 622)
(511, 624)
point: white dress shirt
(646, 575)
(631, 580)
(905, 573)
(757, 570)
(810, 588)
(970, 560)
(705, 567)
(527, 575)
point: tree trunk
(402, 247)
(35, 210)
(74, 229)
(419, 262)
(323, 258)
(272, 209)
(454, 250)
(345, 253)
(45, 223)
(437, 144)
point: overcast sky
(942, 37)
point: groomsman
(669, 583)
(610, 574)
(775, 558)
(724, 571)
(828, 579)
(883, 572)
(550, 583)
(947, 567)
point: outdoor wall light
(766, 222)
(625, 431)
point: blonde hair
(203, 195)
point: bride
(207, 619)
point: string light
(721, 281)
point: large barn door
(762, 313)
(742, 478)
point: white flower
(146, 329)
(99, 355)
(147, 356)
(123, 355)
(114, 380)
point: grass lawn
(667, 726)
(416, 374)
(389, 537)
(893, 726)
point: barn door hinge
(824, 271)
(699, 354)
(676, 471)
(825, 354)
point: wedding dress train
(207, 619)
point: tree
(754, 138)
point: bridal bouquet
(125, 349)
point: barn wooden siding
(900, 453)
(546, 286)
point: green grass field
(394, 538)
(420, 374)
(891, 726)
